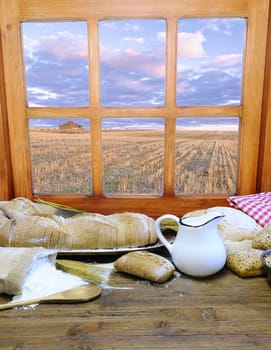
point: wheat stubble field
(133, 161)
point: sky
(132, 64)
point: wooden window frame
(16, 150)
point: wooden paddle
(75, 295)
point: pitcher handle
(160, 234)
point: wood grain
(221, 312)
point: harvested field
(133, 162)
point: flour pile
(29, 273)
(44, 279)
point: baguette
(145, 265)
(23, 225)
(35, 231)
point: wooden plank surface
(221, 312)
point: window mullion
(171, 72)
(94, 83)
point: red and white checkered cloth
(258, 206)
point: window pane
(210, 61)
(56, 63)
(133, 155)
(132, 54)
(60, 155)
(206, 155)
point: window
(132, 61)
(60, 156)
(138, 145)
(117, 77)
(206, 155)
(210, 61)
(56, 63)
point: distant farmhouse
(70, 126)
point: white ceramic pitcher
(198, 250)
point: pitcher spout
(204, 218)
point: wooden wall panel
(253, 94)
(15, 96)
(264, 167)
(6, 191)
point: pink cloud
(134, 60)
(65, 45)
(190, 44)
(224, 60)
(132, 52)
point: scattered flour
(44, 279)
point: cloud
(132, 77)
(57, 69)
(190, 44)
(138, 40)
(132, 52)
(224, 60)
(210, 87)
(65, 45)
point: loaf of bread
(232, 247)
(262, 239)
(234, 226)
(25, 226)
(20, 206)
(145, 265)
(246, 263)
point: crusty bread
(235, 226)
(91, 232)
(262, 239)
(3, 218)
(36, 231)
(146, 265)
(31, 228)
(112, 231)
(246, 263)
(232, 247)
(19, 206)
(5, 230)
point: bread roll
(262, 239)
(246, 263)
(146, 265)
(232, 247)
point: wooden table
(220, 312)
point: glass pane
(133, 155)
(60, 155)
(210, 61)
(56, 63)
(132, 54)
(206, 155)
